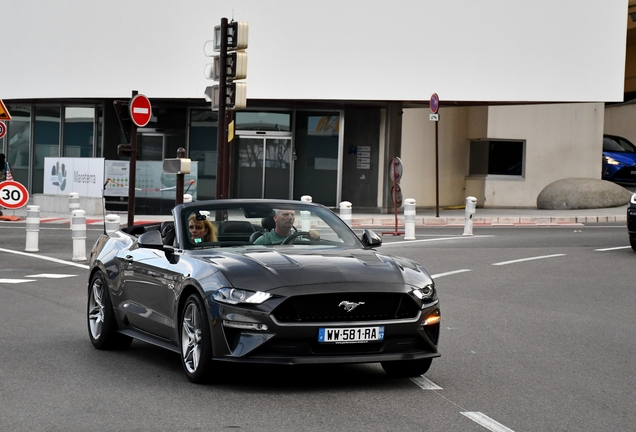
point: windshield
(226, 223)
(617, 144)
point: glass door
(264, 167)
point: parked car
(631, 221)
(321, 296)
(619, 160)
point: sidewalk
(447, 217)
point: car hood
(622, 157)
(265, 270)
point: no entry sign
(3, 129)
(140, 110)
(13, 195)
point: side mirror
(151, 239)
(370, 239)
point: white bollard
(32, 228)
(471, 205)
(112, 223)
(409, 219)
(187, 198)
(305, 221)
(78, 234)
(73, 201)
(345, 212)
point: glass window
(316, 166)
(496, 157)
(263, 121)
(79, 126)
(46, 142)
(18, 138)
(203, 136)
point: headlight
(424, 293)
(236, 296)
(611, 161)
(633, 199)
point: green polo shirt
(269, 237)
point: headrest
(268, 223)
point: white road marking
(46, 258)
(406, 242)
(612, 248)
(527, 259)
(439, 275)
(16, 281)
(425, 383)
(486, 421)
(50, 276)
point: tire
(632, 241)
(196, 344)
(407, 368)
(102, 327)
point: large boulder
(582, 193)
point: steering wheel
(292, 236)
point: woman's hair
(200, 220)
(2, 160)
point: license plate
(351, 334)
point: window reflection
(78, 131)
(18, 138)
(263, 121)
(46, 142)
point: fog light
(245, 325)
(433, 318)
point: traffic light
(228, 66)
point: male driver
(284, 220)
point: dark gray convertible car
(261, 281)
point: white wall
(465, 50)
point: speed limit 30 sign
(13, 195)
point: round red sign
(13, 195)
(434, 103)
(140, 110)
(3, 129)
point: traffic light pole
(222, 170)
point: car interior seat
(167, 233)
(268, 224)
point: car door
(148, 291)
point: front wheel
(196, 345)
(407, 368)
(632, 241)
(102, 328)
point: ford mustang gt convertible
(261, 281)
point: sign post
(395, 171)
(434, 103)
(138, 115)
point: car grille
(631, 218)
(625, 174)
(328, 308)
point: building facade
(324, 125)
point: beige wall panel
(562, 141)
(418, 156)
(621, 120)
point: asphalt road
(537, 335)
